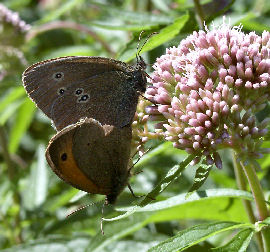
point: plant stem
(69, 25)
(258, 195)
(199, 12)
(242, 185)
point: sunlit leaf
(238, 243)
(196, 234)
(22, 122)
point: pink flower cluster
(206, 92)
(13, 18)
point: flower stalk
(242, 185)
(260, 203)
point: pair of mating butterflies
(92, 102)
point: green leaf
(12, 95)
(238, 243)
(21, 124)
(68, 5)
(166, 34)
(201, 175)
(115, 231)
(36, 191)
(212, 204)
(172, 174)
(10, 110)
(134, 17)
(255, 22)
(266, 221)
(60, 200)
(198, 196)
(125, 27)
(162, 148)
(54, 244)
(196, 234)
(163, 36)
(70, 50)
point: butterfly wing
(59, 155)
(104, 160)
(47, 80)
(91, 157)
(108, 97)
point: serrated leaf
(201, 175)
(238, 243)
(196, 234)
(172, 174)
(209, 204)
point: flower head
(207, 90)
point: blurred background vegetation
(34, 202)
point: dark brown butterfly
(92, 102)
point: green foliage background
(34, 202)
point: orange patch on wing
(71, 173)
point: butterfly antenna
(83, 207)
(139, 158)
(79, 209)
(148, 37)
(138, 45)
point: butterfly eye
(83, 98)
(58, 76)
(78, 91)
(64, 157)
(61, 91)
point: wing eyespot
(83, 98)
(61, 91)
(58, 76)
(79, 91)
(64, 157)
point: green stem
(69, 25)
(199, 12)
(242, 185)
(258, 195)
